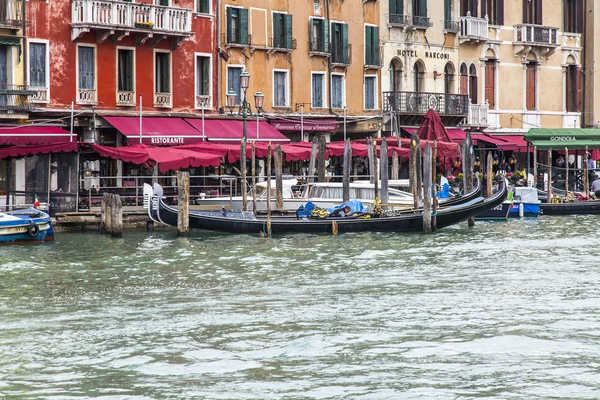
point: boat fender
(33, 229)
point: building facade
(314, 62)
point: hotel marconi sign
(435, 55)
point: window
(573, 88)
(280, 89)
(203, 6)
(449, 77)
(162, 3)
(419, 8)
(532, 12)
(337, 91)
(86, 71)
(163, 73)
(233, 82)
(396, 7)
(396, 75)
(339, 43)
(468, 7)
(237, 25)
(418, 76)
(372, 45)
(490, 82)
(473, 84)
(370, 90)
(494, 10)
(317, 89)
(573, 15)
(125, 70)
(530, 72)
(282, 31)
(37, 65)
(464, 79)
(203, 76)
(447, 14)
(319, 35)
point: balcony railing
(341, 55)
(203, 101)
(125, 98)
(399, 20)
(478, 114)
(452, 26)
(473, 28)
(15, 98)
(318, 46)
(114, 14)
(162, 100)
(373, 56)
(536, 35)
(421, 102)
(87, 96)
(40, 96)
(420, 22)
(10, 13)
(235, 39)
(283, 43)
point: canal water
(499, 311)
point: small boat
(28, 225)
(525, 199)
(392, 221)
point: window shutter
(447, 16)
(490, 82)
(474, 11)
(230, 38)
(205, 6)
(579, 13)
(422, 8)
(484, 10)
(345, 49)
(129, 70)
(277, 29)
(530, 88)
(525, 7)
(86, 68)
(243, 26)
(393, 8)
(288, 31)
(37, 64)
(569, 86)
(206, 76)
(579, 88)
(368, 45)
(325, 35)
(538, 12)
(311, 34)
(464, 79)
(499, 12)
(376, 45)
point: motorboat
(29, 225)
(525, 202)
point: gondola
(246, 222)
(587, 207)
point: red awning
(136, 155)
(306, 125)
(34, 134)
(224, 130)
(156, 131)
(514, 143)
(488, 139)
(33, 149)
(457, 135)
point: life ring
(33, 229)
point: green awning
(12, 42)
(558, 139)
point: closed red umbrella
(432, 128)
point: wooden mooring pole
(243, 163)
(414, 146)
(104, 213)
(254, 177)
(346, 177)
(395, 165)
(183, 194)
(586, 188)
(434, 202)
(427, 189)
(312, 162)
(279, 177)
(116, 217)
(467, 150)
(489, 174)
(566, 173)
(375, 169)
(535, 171)
(268, 232)
(549, 184)
(383, 156)
(372, 175)
(321, 158)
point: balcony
(318, 47)
(87, 96)
(528, 36)
(340, 55)
(15, 99)
(11, 16)
(203, 101)
(234, 39)
(41, 95)
(283, 44)
(478, 115)
(125, 98)
(119, 19)
(399, 20)
(452, 26)
(162, 100)
(452, 108)
(373, 57)
(473, 29)
(419, 22)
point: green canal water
(500, 311)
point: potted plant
(144, 25)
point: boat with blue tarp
(29, 225)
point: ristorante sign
(327, 125)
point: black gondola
(246, 222)
(587, 207)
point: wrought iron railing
(283, 43)
(115, 13)
(11, 13)
(421, 102)
(451, 26)
(235, 39)
(420, 22)
(473, 28)
(15, 98)
(399, 19)
(536, 34)
(341, 54)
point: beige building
(315, 61)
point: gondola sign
(562, 138)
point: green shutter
(400, 6)
(368, 45)
(325, 35)
(129, 70)
(423, 8)
(311, 38)
(447, 16)
(276, 29)
(243, 26)
(288, 31)
(205, 76)
(393, 7)
(230, 37)
(344, 57)
(167, 74)
(375, 35)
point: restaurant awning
(456, 135)
(571, 138)
(224, 130)
(488, 139)
(34, 134)
(306, 125)
(33, 149)
(514, 143)
(156, 131)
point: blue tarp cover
(355, 206)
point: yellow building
(314, 61)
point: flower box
(144, 25)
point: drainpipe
(585, 69)
(24, 28)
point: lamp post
(244, 111)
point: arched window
(464, 80)
(473, 84)
(418, 76)
(449, 78)
(573, 86)
(396, 75)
